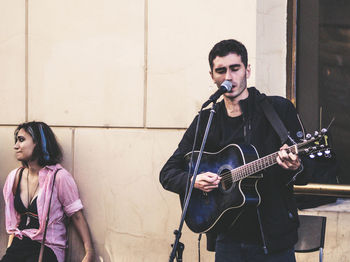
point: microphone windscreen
(227, 85)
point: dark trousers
(230, 251)
(27, 250)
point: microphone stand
(178, 247)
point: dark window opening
(319, 70)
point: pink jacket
(65, 201)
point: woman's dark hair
(225, 47)
(47, 150)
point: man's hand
(287, 160)
(207, 181)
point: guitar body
(219, 209)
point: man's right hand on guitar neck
(207, 181)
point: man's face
(231, 68)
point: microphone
(226, 86)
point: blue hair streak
(43, 143)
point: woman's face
(24, 146)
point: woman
(27, 193)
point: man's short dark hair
(225, 47)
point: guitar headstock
(316, 145)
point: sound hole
(226, 181)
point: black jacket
(278, 210)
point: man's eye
(221, 71)
(234, 69)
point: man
(239, 119)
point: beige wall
(119, 81)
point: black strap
(275, 121)
(16, 182)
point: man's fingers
(207, 181)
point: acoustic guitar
(240, 168)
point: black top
(246, 229)
(29, 216)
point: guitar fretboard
(257, 165)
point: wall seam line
(73, 152)
(109, 127)
(26, 65)
(145, 74)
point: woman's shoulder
(55, 170)
(13, 173)
(60, 171)
(63, 176)
(10, 179)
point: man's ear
(248, 70)
(211, 75)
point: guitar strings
(250, 168)
(253, 167)
(256, 166)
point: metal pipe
(323, 190)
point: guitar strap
(283, 134)
(275, 121)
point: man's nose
(228, 75)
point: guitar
(240, 168)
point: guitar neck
(258, 165)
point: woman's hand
(89, 256)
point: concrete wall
(119, 81)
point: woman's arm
(82, 227)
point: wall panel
(181, 34)
(131, 216)
(12, 61)
(271, 47)
(86, 62)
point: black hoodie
(278, 210)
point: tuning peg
(327, 153)
(316, 133)
(319, 153)
(324, 130)
(300, 135)
(308, 136)
(312, 156)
